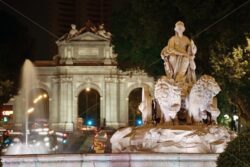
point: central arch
(89, 106)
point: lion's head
(207, 86)
(168, 96)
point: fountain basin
(112, 160)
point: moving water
(31, 105)
(29, 81)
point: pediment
(88, 36)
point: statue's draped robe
(177, 66)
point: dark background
(55, 16)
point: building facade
(86, 62)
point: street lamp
(30, 110)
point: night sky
(37, 11)
(43, 44)
(40, 11)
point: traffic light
(65, 138)
(5, 119)
(89, 122)
(138, 122)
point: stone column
(65, 104)
(53, 104)
(123, 112)
(112, 102)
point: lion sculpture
(168, 96)
(201, 99)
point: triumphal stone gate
(86, 62)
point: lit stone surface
(112, 160)
(85, 60)
(171, 139)
(184, 111)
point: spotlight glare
(89, 123)
(30, 110)
(139, 122)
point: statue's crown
(179, 23)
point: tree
(232, 70)
(237, 152)
(140, 32)
(141, 29)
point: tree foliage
(232, 70)
(141, 28)
(237, 152)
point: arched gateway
(89, 107)
(86, 59)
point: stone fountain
(182, 116)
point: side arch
(125, 116)
(138, 85)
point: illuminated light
(46, 139)
(139, 122)
(51, 132)
(7, 112)
(38, 130)
(43, 133)
(40, 98)
(88, 89)
(59, 139)
(89, 123)
(59, 134)
(235, 117)
(46, 129)
(65, 135)
(226, 116)
(5, 119)
(30, 110)
(35, 101)
(47, 144)
(64, 141)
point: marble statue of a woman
(179, 56)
